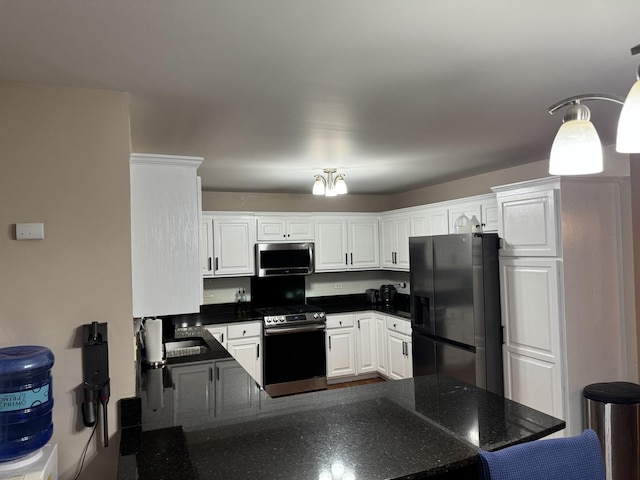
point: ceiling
(395, 94)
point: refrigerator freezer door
(456, 362)
(424, 354)
(421, 281)
(453, 279)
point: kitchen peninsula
(424, 427)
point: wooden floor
(355, 383)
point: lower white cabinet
(243, 341)
(399, 348)
(366, 351)
(235, 391)
(382, 364)
(341, 351)
(194, 391)
(244, 345)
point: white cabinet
(366, 351)
(194, 391)
(228, 251)
(399, 348)
(382, 346)
(243, 344)
(561, 291)
(528, 224)
(341, 348)
(219, 332)
(206, 246)
(165, 267)
(346, 243)
(437, 221)
(278, 228)
(472, 209)
(235, 391)
(490, 216)
(394, 245)
(531, 316)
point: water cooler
(26, 405)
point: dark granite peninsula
(425, 427)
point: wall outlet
(337, 285)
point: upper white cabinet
(228, 250)
(471, 209)
(394, 244)
(561, 273)
(285, 228)
(166, 271)
(346, 242)
(528, 223)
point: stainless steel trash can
(613, 411)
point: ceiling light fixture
(331, 186)
(577, 150)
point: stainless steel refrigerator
(455, 308)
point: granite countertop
(423, 427)
(244, 312)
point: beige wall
(65, 162)
(286, 202)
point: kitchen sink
(185, 347)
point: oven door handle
(284, 330)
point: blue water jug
(26, 400)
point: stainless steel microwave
(276, 259)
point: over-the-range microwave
(277, 259)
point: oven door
(294, 359)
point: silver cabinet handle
(216, 263)
(258, 351)
(222, 337)
(358, 324)
(210, 263)
(352, 259)
(329, 342)
(346, 259)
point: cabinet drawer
(338, 321)
(399, 325)
(242, 330)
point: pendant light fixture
(330, 186)
(576, 149)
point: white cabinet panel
(381, 343)
(534, 383)
(394, 246)
(165, 233)
(346, 243)
(438, 221)
(247, 352)
(528, 224)
(340, 352)
(399, 348)
(219, 333)
(366, 355)
(468, 209)
(236, 393)
(530, 305)
(206, 246)
(234, 240)
(490, 216)
(277, 228)
(193, 390)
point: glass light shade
(340, 186)
(330, 191)
(628, 140)
(576, 149)
(318, 186)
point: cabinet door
(233, 246)
(271, 229)
(381, 343)
(402, 246)
(206, 246)
(397, 346)
(219, 333)
(527, 223)
(387, 242)
(366, 361)
(438, 221)
(236, 391)
(300, 229)
(468, 209)
(490, 216)
(340, 352)
(534, 383)
(331, 245)
(193, 390)
(247, 352)
(364, 244)
(418, 224)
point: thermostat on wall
(29, 231)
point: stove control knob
(281, 318)
(321, 314)
(315, 315)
